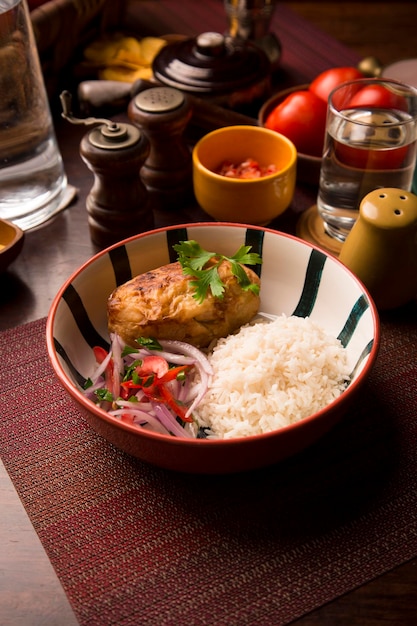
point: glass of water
(370, 142)
(32, 177)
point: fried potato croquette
(161, 304)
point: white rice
(268, 376)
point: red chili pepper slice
(172, 403)
(100, 355)
(173, 372)
(127, 418)
(147, 384)
(153, 374)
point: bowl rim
(246, 181)
(90, 407)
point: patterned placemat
(136, 545)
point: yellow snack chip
(150, 47)
(101, 51)
(125, 75)
(132, 46)
(124, 58)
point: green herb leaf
(129, 371)
(193, 260)
(128, 350)
(252, 287)
(149, 342)
(206, 279)
(192, 255)
(239, 272)
(104, 395)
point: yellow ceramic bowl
(246, 201)
(11, 242)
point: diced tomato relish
(247, 169)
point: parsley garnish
(128, 350)
(149, 342)
(104, 395)
(131, 369)
(193, 259)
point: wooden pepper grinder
(118, 203)
(162, 113)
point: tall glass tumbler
(32, 176)
(370, 143)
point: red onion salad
(155, 386)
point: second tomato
(325, 82)
(302, 118)
(378, 96)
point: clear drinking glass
(370, 143)
(32, 177)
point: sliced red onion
(189, 350)
(141, 419)
(140, 406)
(183, 394)
(169, 421)
(89, 392)
(138, 413)
(192, 392)
(202, 391)
(173, 357)
(156, 416)
(95, 376)
(202, 362)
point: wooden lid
(211, 64)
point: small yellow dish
(11, 242)
(247, 201)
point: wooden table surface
(30, 592)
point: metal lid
(109, 135)
(114, 136)
(159, 100)
(211, 64)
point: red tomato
(325, 82)
(100, 355)
(376, 96)
(153, 365)
(302, 118)
(371, 159)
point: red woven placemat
(137, 545)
